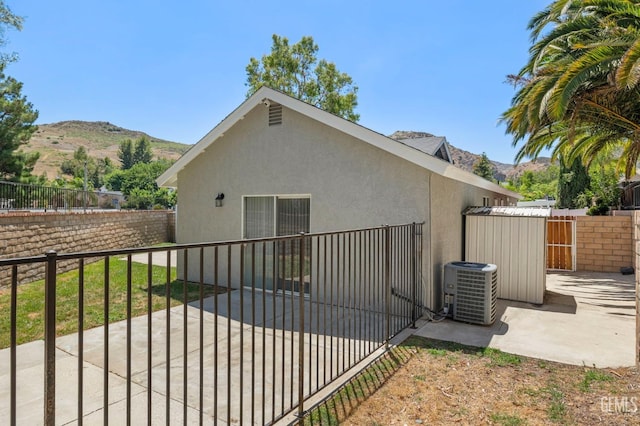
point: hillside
(57, 142)
(465, 159)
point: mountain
(57, 142)
(465, 159)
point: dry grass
(56, 142)
(425, 381)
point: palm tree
(579, 92)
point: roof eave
(169, 178)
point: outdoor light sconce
(219, 199)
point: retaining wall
(31, 234)
(604, 243)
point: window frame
(275, 210)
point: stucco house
(275, 154)
(436, 146)
(630, 190)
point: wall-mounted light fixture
(219, 199)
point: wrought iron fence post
(301, 262)
(387, 283)
(50, 339)
(414, 282)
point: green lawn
(30, 313)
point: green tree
(165, 197)
(96, 168)
(8, 20)
(125, 154)
(142, 151)
(535, 185)
(114, 180)
(75, 167)
(296, 71)
(141, 176)
(16, 127)
(140, 199)
(138, 184)
(106, 165)
(131, 153)
(604, 191)
(16, 114)
(573, 182)
(484, 168)
(578, 94)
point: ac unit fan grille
(472, 296)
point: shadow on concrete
(470, 334)
(613, 292)
(586, 318)
(177, 293)
(558, 302)
(281, 311)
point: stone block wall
(604, 243)
(32, 234)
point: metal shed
(514, 239)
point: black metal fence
(22, 196)
(236, 332)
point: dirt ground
(424, 381)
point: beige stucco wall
(351, 185)
(448, 198)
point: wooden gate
(561, 243)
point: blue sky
(175, 69)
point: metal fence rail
(22, 196)
(287, 316)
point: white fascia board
(170, 176)
(385, 143)
(446, 148)
(426, 161)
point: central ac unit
(471, 291)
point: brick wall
(171, 227)
(604, 243)
(31, 234)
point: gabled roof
(265, 95)
(435, 146)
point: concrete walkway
(587, 319)
(233, 348)
(159, 258)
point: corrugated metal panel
(507, 211)
(517, 245)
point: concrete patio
(588, 318)
(325, 356)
